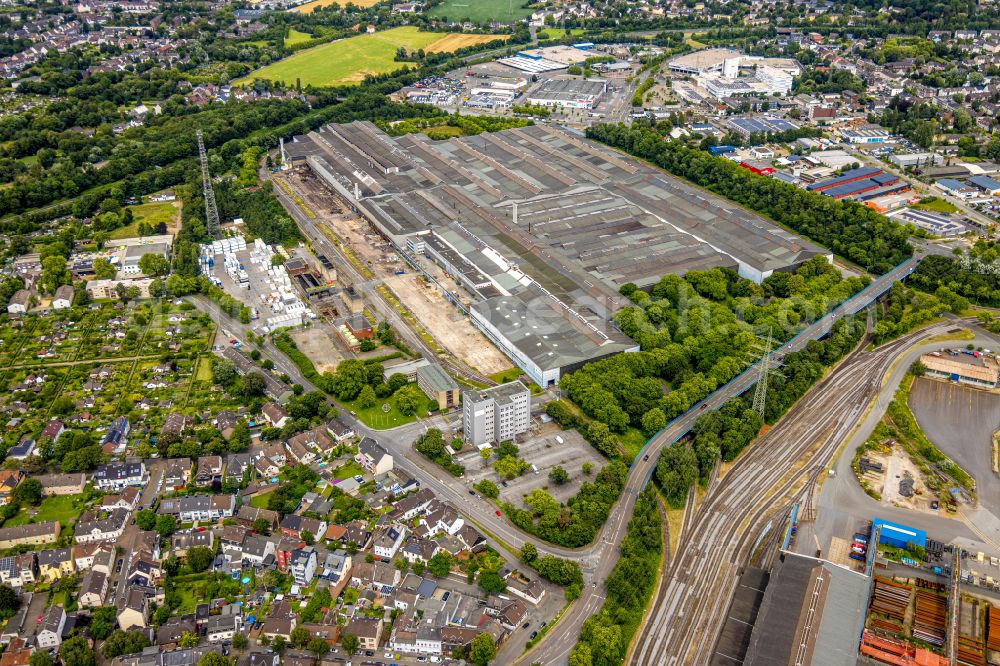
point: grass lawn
(260, 501)
(150, 213)
(556, 33)
(204, 371)
(508, 375)
(633, 440)
(374, 417)
(348, 470)
(346, 60)
(939, 205)
(63, 508)
(480, 11)
(295, 37)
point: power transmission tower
(211, 211)
(763, 369)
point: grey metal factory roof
(569, 89)
(833, 596)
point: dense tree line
(696, 333)
(725, 433)
(980, 283)
(813, 80)
(606, 635)
(576, 523)
(849, 229)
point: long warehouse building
(542, 227)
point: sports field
(308, 7)
(481, 11)
(349, 60)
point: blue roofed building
(989, 185)
(899, 536)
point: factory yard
(960, 421)
(441, 319)
(446, 324)
(317, 344)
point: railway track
(690, 605)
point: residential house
(340, 431)
(367, 629)
(63, 298)
(52, 430)
(169, 634)
(19, 570)
(93, 589)
(192, 508)
(220, 628)
(412, 504)
(182, 542)
(275, 414)
(49, 633)
(531, 591)
(248, 515)
(9, 480)
(23, 449)
(382, 577)
(19, 301)
(373, 457)
(133, 609)
(336, 570)
(387, 541)
(283, 550)
(117, 476)
(315, 439)
(294, 525)
(226, 422)
(280, 622)
(62, 484)
(127, 499)
(175, 423)
(209, 470)
(299, 452)
(442, 517)
(55, 563)
(303, 565)
(258, 550)
(91, 527)
(33, 534)
(419, 550)
(17, 652)
(116, 438)
(416, 638)
(177, 474)
(237, 465)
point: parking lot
(545, 452)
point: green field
(150, 213)
(295, 37)
(347, 470)
(375, 417)
(556, 33)
(935, 204)
(63, 508)
(347, 60)
(481, 11)
(260, 501)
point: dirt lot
(319, 347)
(447, 324)
(543, 451)
(960, 421)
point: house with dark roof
(373, 457)
(117, 476)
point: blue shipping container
(899, 536)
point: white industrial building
(568, 93)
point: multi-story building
(118, 476)
(496, 414)
(303, 565)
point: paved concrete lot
(319, 347)
(544, 452)
(960, 421)
(447, 324)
